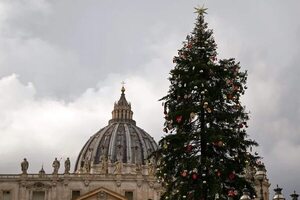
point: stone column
(21, 193)
(30, 195)
(139, 189)
(53, 191)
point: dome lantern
(122, 110)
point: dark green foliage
(205, 150)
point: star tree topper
(201, 10)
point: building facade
(113, 164)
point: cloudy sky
(62, 64)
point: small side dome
(120, 141)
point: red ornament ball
(189, 148)
(194, 176)
(178, 119)
(229, 96)
(184, 173)
(231, 176)
(231, 193)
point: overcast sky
(62, 63)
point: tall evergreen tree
(205, 149)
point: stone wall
(60, 187)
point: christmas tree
(206, 148)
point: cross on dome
(123, 87)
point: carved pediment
(101, 194)
(38, 186)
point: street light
(260, 176)
(245, 195)
(294, 196)
(278, 195)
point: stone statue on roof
(56, 166)
(24, 166)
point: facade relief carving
(104, 166)
(151, 168)
(118, 167)
(87, 165)
(102, 196)
(38, 186)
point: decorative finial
(42, 171)
(294, 196)
(278, 195)
(123, 88)
(200, 10)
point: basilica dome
(120, 141)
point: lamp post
(260, 176)
(294, 196)
(278, 195)
(245, 195)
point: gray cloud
(70, 57)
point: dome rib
(80, 156)
(96, 152)
(142, 143)
(111, 148)
(128, 143)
